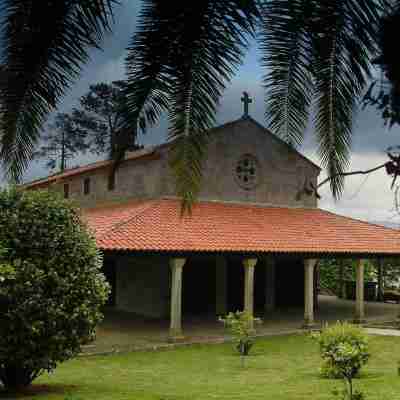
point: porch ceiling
(157, 225)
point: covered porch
(273, 250)
(122, 331)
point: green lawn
(281, 368)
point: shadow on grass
(37, 390)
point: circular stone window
(247, 172)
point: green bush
(51, 287)
(344, 350)
(241, 327)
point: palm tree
(183, 54)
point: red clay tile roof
(138, 154)
(157, 225)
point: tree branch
(360, 172)
(310, 189)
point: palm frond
(322, 51)
(343, 44)
(179, 61)
(45, 44)
(211, 44)
(285, 45)
(149, 81)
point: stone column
(221, 298)
(309, 265)
(175, 329)
(249, 265)
(269, 285)
(342, 287)
(359, 317)
(380, 280)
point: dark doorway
(198, 288)
(289, 282)
(235, 284)
(109, 271)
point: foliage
(330, 272)
(241, 326)
(56, 291)
(344, 350)
(318, 52)
(44, 45)
(384, 92)
(180, 60)
(61, 142)
(99, 118)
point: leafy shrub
(51, 286)
(344, 350)
(240, 325)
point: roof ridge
(361, 221)
(146, 205)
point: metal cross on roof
(246, 100)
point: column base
(176, 337)
(359, 321)
(309, 325)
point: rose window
(247, 171)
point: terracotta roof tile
(138, 154)
(157, 225)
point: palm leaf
(179, 61)
(322, 51)
(343, 48)
(149, 81)
(285, 45)
(45, 44)
(210, 46)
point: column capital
(249, 262)
(310, 262)
(177, 262)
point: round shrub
(51, 287)
(344, 350)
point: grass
(281, 368)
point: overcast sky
(365, 198)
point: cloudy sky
(368, 198)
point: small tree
(62, 141)
(51, 285)
(344, 350)
(101, 116)
(241, 326)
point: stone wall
(143, 285)
(279, 172)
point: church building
(251, 242)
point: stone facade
(245, 163)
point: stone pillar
(380, 280)
(269, 285)
(309, 265)
(342, 286)
(359, 317)
(221, 292)
(249, 265)
(175, 329)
